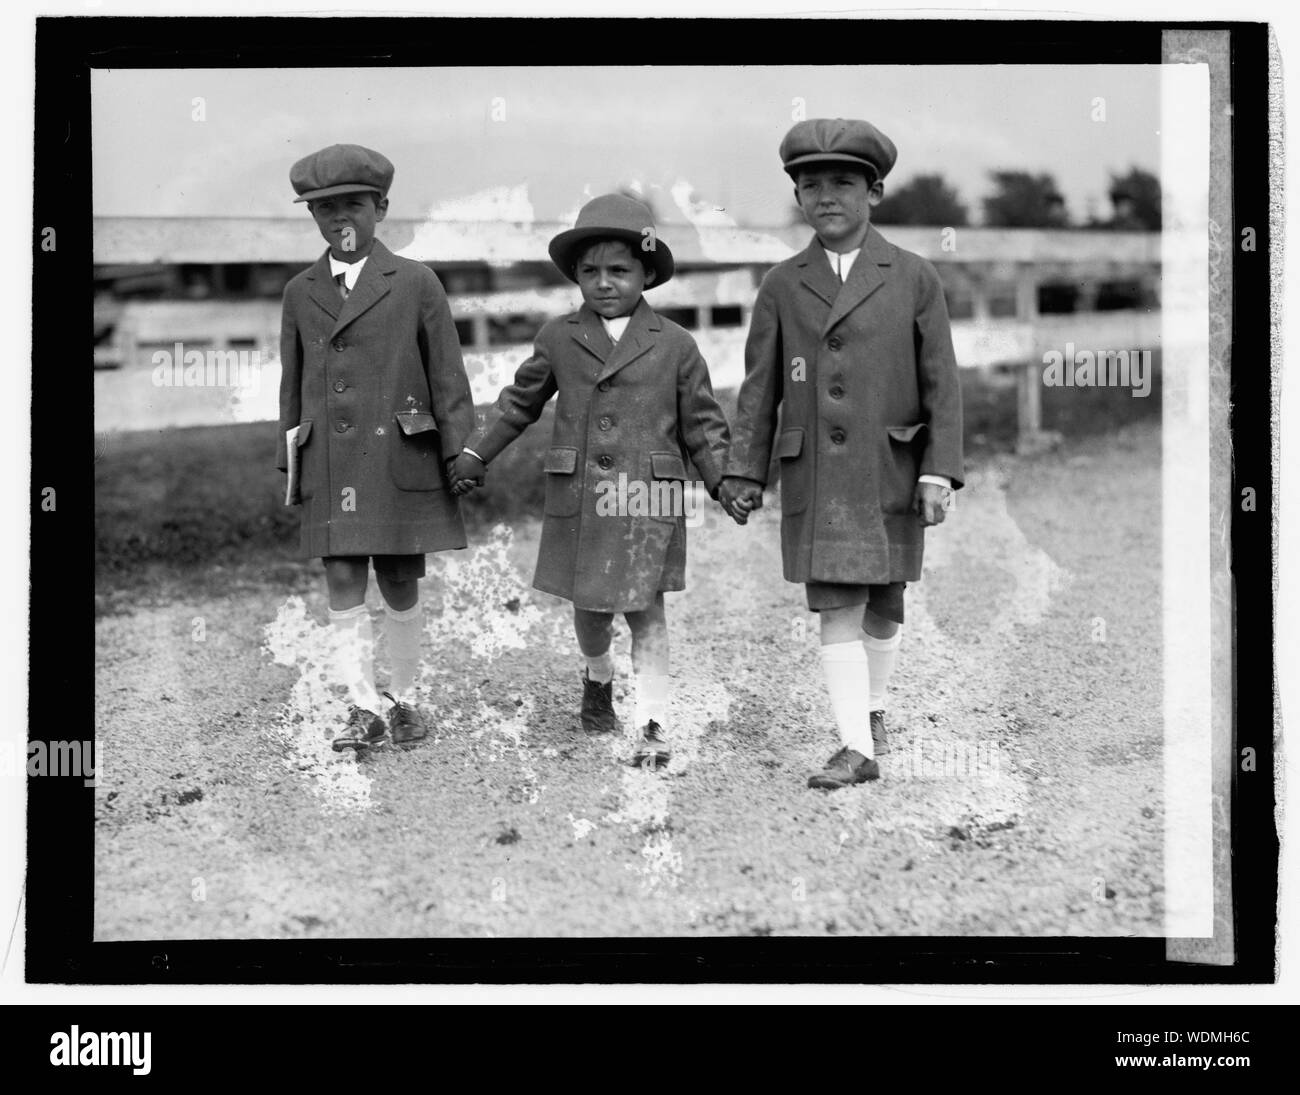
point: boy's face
(837, 201)
(347, 221)
(611, 278)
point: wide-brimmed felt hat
(341, 169)
(837, 140)
(614, 216)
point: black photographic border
(60, 840)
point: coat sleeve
(700, 420)
(937, 380)
(760, 392)
(444, 368)
(290, 378)
(520, 404)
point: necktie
(839, 268)
(340, 279)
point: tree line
(1022, 199)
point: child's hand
(740, 497)
(467, 473)
(930, 502)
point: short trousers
(398, 568)
(884, 600)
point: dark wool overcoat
(628, 416)
(864, 380)
(379, 390)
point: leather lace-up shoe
(652, 750)
(598, 706)
(879, 735)
(844, 769)
(406, 721)
(365, 730)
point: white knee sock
(402, 629)
(651, 699)
(848, 682)
(882, 654)
(601, 668)
(355, 657)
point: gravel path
(1022, 796)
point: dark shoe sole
(407, 743)
(359, 745)
(823, 782)
(826, 783)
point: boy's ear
(381, 208)
(875, 193)
(651, 275)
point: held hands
(931, 502)
(466, 473)
(740, 497)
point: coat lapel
(372, 286)
(864, 278)
(589, 333)
(323, 289)
(816, 274)
(639, 337)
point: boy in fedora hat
(634, 403)
(375, 402)
(850, 343)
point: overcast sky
(568, 134)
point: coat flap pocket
(413, 422)
(667, 465)
(304, 432)
(561, 460)
(904, 433)
(790, 443)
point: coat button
(605, 422)
(837, 392)
(606, 462)
(603, 386)
(339, 344)
(340, 427)
(339, 386)
(837, 436)
(834, 342)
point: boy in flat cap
(850, 343)
(375, 401)
(634, 402)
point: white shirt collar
(842, 261)
(350, 270)
(616, 326)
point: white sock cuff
(844, 652)
(342, 615)
(891, 643)
(402, 614)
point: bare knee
(649, 627)
(399, 593)
(345, 578)
(878, 627)
(645, 621)
(595, 631)
(840, 625)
